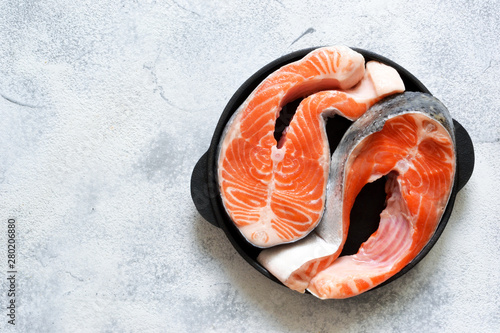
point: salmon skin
(274, 192)
(409, 139)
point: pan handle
(199, 190)
(465, 154)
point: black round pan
(369, 203)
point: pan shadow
(295, 312)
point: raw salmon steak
(408, 139)
(274, 192)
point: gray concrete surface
(105, 108)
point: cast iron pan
(369, 203)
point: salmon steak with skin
(274, 192)
(409, 139)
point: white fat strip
(282, 261)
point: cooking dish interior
(369, 203)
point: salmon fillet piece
(409, 139)
(275, 192)
(415, 150)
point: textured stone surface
(105, 107)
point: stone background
(105, 107)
